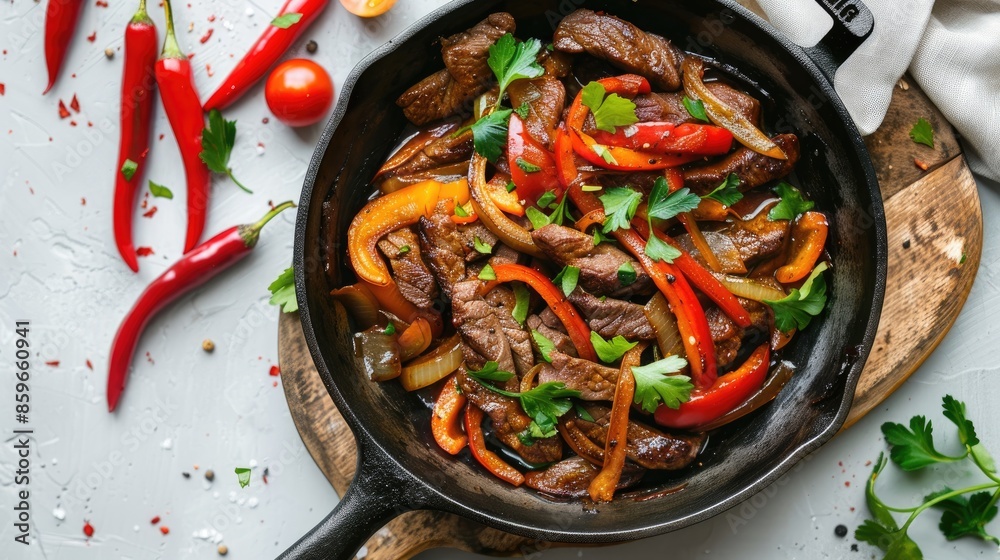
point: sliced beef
(598, 265)
(647, 446)
(758, 237)
(623, 45)
(441, 245)
(549, 326)
(594, 381)
(752, 168)
(440, 151)
(469, 233)
(729, 338)
(414, 279)
(668, 107)
(466, 73)
(612, 317)
(556, 64)
(502, 300)
(481, 329)
(571, 478)
(545, 97)
(509, 420)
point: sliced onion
(511, 233)
(772, 386)
(379, 353)
(691, 225)
(529, 378)
(749, 288)
(360, 303)
(722, 247)
(433, 367)
(668, 336)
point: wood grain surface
(934, 252)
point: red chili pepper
(724, 395)
(532, 167)
(137, 104)
(193, 270)
(265, 52)
(175, 78)
(60, 22)
(663, 137)
(477, 444)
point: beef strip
(571, 478)
(549, 326)
(758, 237)
(469, 233)
(622, 44)
(482, 331)
(555, 63)
(594, 381)
(598, 265)
(441, 151)
(729, 338)
(414, 279)
(502, 300)
(466, 73)
(647, 446)
(442, 247)
(545, 97)
(613, 317)
(668, 107)
(509, 420)
(752, 168)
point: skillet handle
(373, 499)
(852, 24)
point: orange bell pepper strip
(391, 299)
(808, 239)
(456, 190)
(415, 339)
(446, 420)
(602, 488)
(477, 445)
(508, 201)
(726, 394)
(468, 214)
(576, 327)
(385, 214)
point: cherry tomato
(367, 8)
(299, 92)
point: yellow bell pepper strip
(602, 488)
(446, 420)
(725, 116)
(728, 392)
(808, 239)
(385, 214)
(509, 231)
(477, 444)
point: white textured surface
(219, 411)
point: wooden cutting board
(935, 244)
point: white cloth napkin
(951, 47)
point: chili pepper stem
(229, 172)
(171, 49)
(141, 16)
(251, 232)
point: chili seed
(109, 52)
(207, 345)
(840, 531)
(311, 47)
(223, 550)
(210, 475)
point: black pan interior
(834, 170)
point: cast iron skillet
(400, 468)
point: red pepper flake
(88, 529)
(275, 371)
(52, 363)
(211, 18)
(101, 4)
(74, 104)
(208, 70)
(921, 164)
(3, 88)
(165, 530)
(847, 483)
(90, 366)
(144, 251)
(265, 120)
(191, 55)
(275, 384)
(149, 358)
(92, 37)
(155, 520)
(161, 137)
(150, 213)
(83, 202)
(63, 111)
(267, 471)
(72, 123)
(208, 35)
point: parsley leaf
(600, 237)
(965, 516)
(620, 204)
(567, 279)
(626, 273)
(695, 108)
(653, 385)
(544, 404)
(129, 168)
(883, 531)
(522, 299)
(527, 166)
(490, 372)
(487, 273)
(582, 413)
(480, 246)
(283, 291)
(610, 352)
(545, 346)
(159, 191)
(609, 112)
(664, 204)
(548, 197)
(461, 212)
(954, 410)
(560, 214)
(217, 145)
(797, 309)
(791, 205)
(512, 60)
(489, 134)
(284, 21)
(728, 193)
(913, 448)
(922, 133)
(390, 329)
(243, 475)
(403, 250)
(659, 250)
(537, 218)
(524, 110)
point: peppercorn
(223, 550)
(207, 345)
(210, 475)
(109, 52)
(840, 531)
(311, 47)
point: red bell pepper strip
(175, 79)
(477, 444)
(576, 327)
(137, 106)
(523, 152)
(60, 22)
(446, 419)
(565, 158)
(194, 269)
(726, 394)
(808, 239)
(270, 46)
(663, 137)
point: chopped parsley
(797, 309)
(655, 385)
(791, 205)
(609, 112)
(922, 133)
